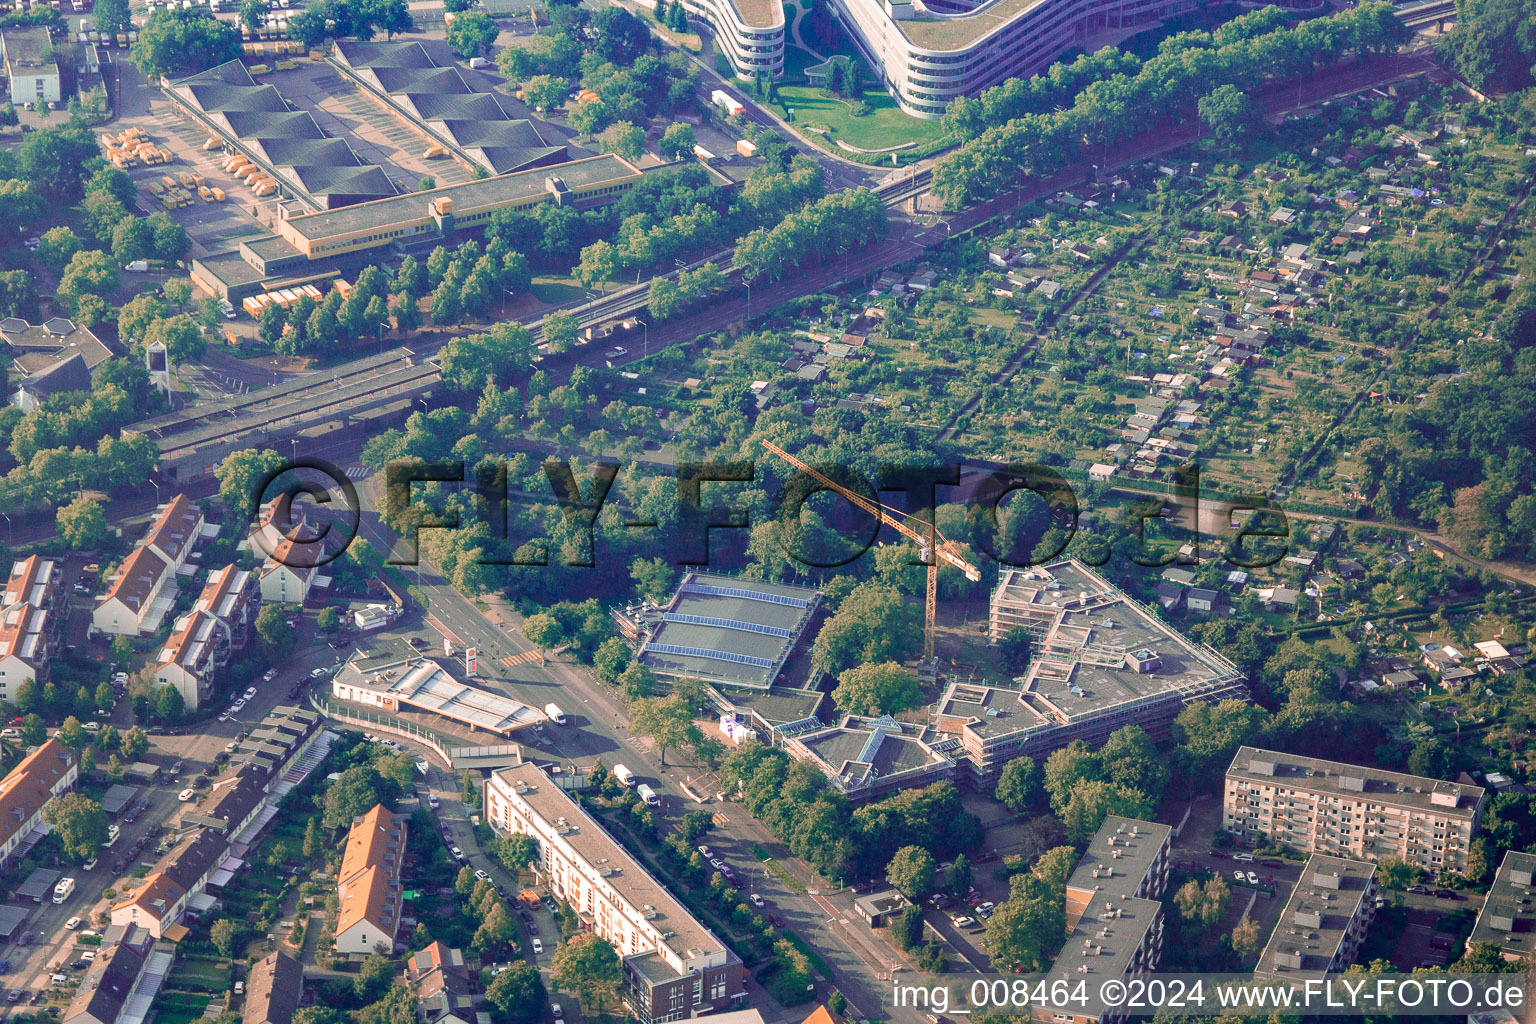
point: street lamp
(9, 536)
(153, 483)
(645, 338)
(749, 298)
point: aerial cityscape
(1068, 554)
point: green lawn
(555, 290)
(885, 125)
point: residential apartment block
(1114, 915)
(204, 640)
(1100, 662)
(274, 990)
(31, 622)
(1324, 921)
(1508, 917)
(674, 967)
(1348, 811)
(368, 884)
(111, 980)
(46, 773)
(144, 587)
(157, 905)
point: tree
(223, 934)
(677, 141)
(516, 851)
(56, 248)
(170, 242)
(1028, 926)
(72, 734)
(911, 871)
(314, 840)
(1016, 645)
(1246, 938)
(253, 13)
(80, 824)
(1396, 873)
(132, 239)
(471, 34)
(957, 877)
(873, 624)
(180, 335)
(183, 41)
(1018, 787)
(882, 689)
(586, 964)
(1231, 114)
(328, 620)
(628, 140)
(242, 473)
(111, 17)
(89, 272)
(170, 705)
(667, 720)
(516, 995)
(135, 743)
(546, 92)
(496, 930)
(356, 792)
(272, 626)
(373, 978)
(81, 524)
(560, 329)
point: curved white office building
(750, 32)
(930, 51)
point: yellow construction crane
(925, 535)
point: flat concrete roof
(1508, 917)
(1314, 921)
(759, 13)
(594, 845)
(503, 190)
(727, 630)
(1335, 778)
(1102, 946)
(1127, 847)
(1090, 638)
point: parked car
(250, 691)
(717, 864)
(1253, 879)
(269, 675)
(482, 874)
(757, 901)
(1418, 889)
(458, 854)
(1246, 858)
(964, 921)
(704, 852)
(538, 945)
(1241, 878)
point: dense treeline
(1493, 45)
(832, 224)
(1188, 66)
(845, 843)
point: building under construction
(1100, 661)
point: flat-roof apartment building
(1508, 917)
(674, 967)
(1114, 915)
(1100, 662)
(32, 616)
(1324, 921)
(1349, 811)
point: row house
(144, 587)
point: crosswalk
(358, 472)
(527, 657)
(721, 820)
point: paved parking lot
(213, 227)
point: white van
(63, 889)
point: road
(599, 728)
